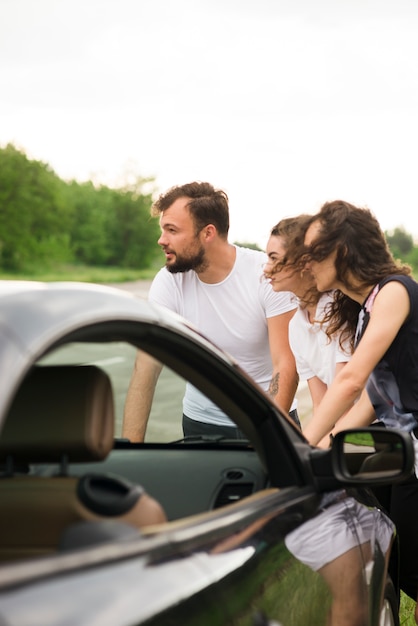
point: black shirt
(393, 385)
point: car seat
(61, 414)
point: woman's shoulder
(325, 300)
(405, 279)
(391, 291)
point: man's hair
(207, 205)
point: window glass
(117, 360)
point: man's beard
(196, 262)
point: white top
(232, 314)
(315, 355)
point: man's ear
(209, 232)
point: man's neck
(221, 260)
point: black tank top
(393, 384)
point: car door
(275, 550)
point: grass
(406, 611)
(80, 273)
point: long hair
(363, 257)
(207, 205)
(292, 231)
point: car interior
(62, 413)
(64, 463)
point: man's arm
(284, 380)
(139, 397)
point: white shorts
(340, 527)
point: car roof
(31, 309)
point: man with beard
(218, 287)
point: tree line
(46, 221)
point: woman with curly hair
(347, 252)
(321, 349)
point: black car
(263, 530)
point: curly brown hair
(362, 254)
(292, 232)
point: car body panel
(242, 556)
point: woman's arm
(317, 389)
(390, 310)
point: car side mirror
(373, 455)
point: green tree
(400, 242)
(134, 231)
(33, 219)
(246, 244)
(91, 211)
(45, 220)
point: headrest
(60, 410)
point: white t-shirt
(233, 314)
(315, 355)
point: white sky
(285, 104)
